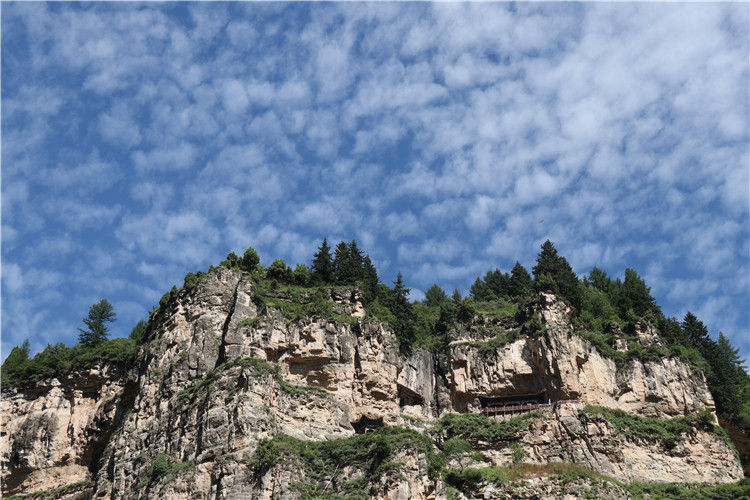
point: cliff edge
(224, 374)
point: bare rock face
(546, 488)
(51, 434)
(564, 435)
(223, 374)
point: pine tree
(369, 279)
(403, 311)
(672, 333)
(636, 296)
(479, 290)
(97, 332)
(519, 284)
(696, 332)
(16, 365)
(557, 267)
(727, 378)
(342, 269)
(599, 280)
(356, 261)
(322, 264)
(139, 332)
(435, 296)
(250, 259)
(497, 284)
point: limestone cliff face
(564, 435)
(567, 366)
(53, 434)
(222, 375)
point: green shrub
(158, 469)
(661, 491)
(518, 452)
(52, 494)
(57, 360)
(301, 275)
(470, 479)
(259, 368)
(477, 427)
(300, 304)
(666, 430)
(322, 460)
(278, 270)
(162, 468)
(250, 259)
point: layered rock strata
(222, 374)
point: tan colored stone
(61, 430)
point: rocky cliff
(224, 374)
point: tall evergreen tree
(671, 331)
(636, 296)
(370, 280)
(497, 283)
(599, 280)
(696, 332)
(348, 263)
(557, 267)
(97, 331)
(356, 260)
(343, 272)
(728, 376)
(519, 284)
(139, 332)
(322, 264)
(479, 290)
(16, 365)
(435, 296)
(403, 311)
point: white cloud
(537, 186)
(332, 70)
(398, 225)
(178, 157)
(438, 135)
(322, 216)
(87, 177)
(12, 277)
(234, 97)
(118, 127)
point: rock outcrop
(567, 366)
(53, 434)
(222, 374)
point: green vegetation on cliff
(57, 360)
(584, 483)
(663, 430)
(323, 461)
(477, 427)
(607, 312)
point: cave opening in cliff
(407, 397)
(366, 423)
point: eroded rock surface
(222, 375)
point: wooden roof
(488, 401)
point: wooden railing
(525, 406)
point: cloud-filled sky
(144, 141)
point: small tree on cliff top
(97, 332)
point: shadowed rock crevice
(225, 328)
(217, 380)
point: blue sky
(144, 141)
